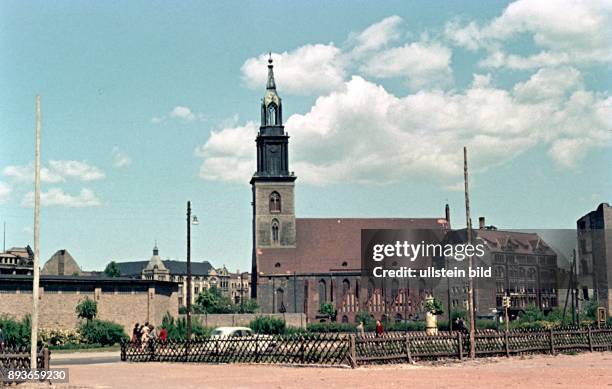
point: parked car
(231, 332)
(239, 339)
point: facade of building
(17, 260)
(594, 255)
(297, 264)
(203, 276)
(524, 267)
(121, 300)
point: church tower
(272, 184)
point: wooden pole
(36, 270)
(468, 221)
(188, 272)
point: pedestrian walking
(360, 330)
(136, 333)
(379, 329)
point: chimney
(447, 214)
(481, 223)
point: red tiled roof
(324, 244)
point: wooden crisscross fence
(394, 347)
(18, 358)
(328, 349)
(350, 349)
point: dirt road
(587, 370)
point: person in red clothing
(379, 328)
(163, 335)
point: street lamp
(195, 222)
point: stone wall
(125, 302)
(243, 319)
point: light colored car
(242, 338)
(231, 332)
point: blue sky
(149, 104)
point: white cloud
(364, 134)
(308, 69)
(548, 84)
(422, 63)
(120, 158)
(25, 173)
(77, 169)
(378, 35)
(57, 197)
(182, 113)
(5, 192)
(566, 32)
(227, 153)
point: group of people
(143, 334)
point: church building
(298, 263)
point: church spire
(271, 84)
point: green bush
(16, 332)
(331, 327)
(59, 337)
(177, 329)
(268, 325)
(103, 332)
(411, 325)
(365, 318)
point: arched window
(345, 319)
(346, 286)
(275, 202)
(280, 301)
(322, 291)
(274, 231)
(271, 115)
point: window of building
(274, 231)
(322, 291)
(271, 115)
(275, 202)
(346, 286)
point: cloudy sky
(148, 105)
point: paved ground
(587, 370)
(84, 358)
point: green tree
(249, 306)
(327, 308)
(112, 270)
(531, 314)
(434, 306)
(213, 301)
(87, 309)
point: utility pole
(468, 221)
(36, 270)
(188, 272)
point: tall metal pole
(36, 273)
(189, 270)
(468, 221)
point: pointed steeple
(271, 84)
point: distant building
(17, 260)
(594, 234)
(524, 267)
(62, 264)
(204, 275)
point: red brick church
(297, 264)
